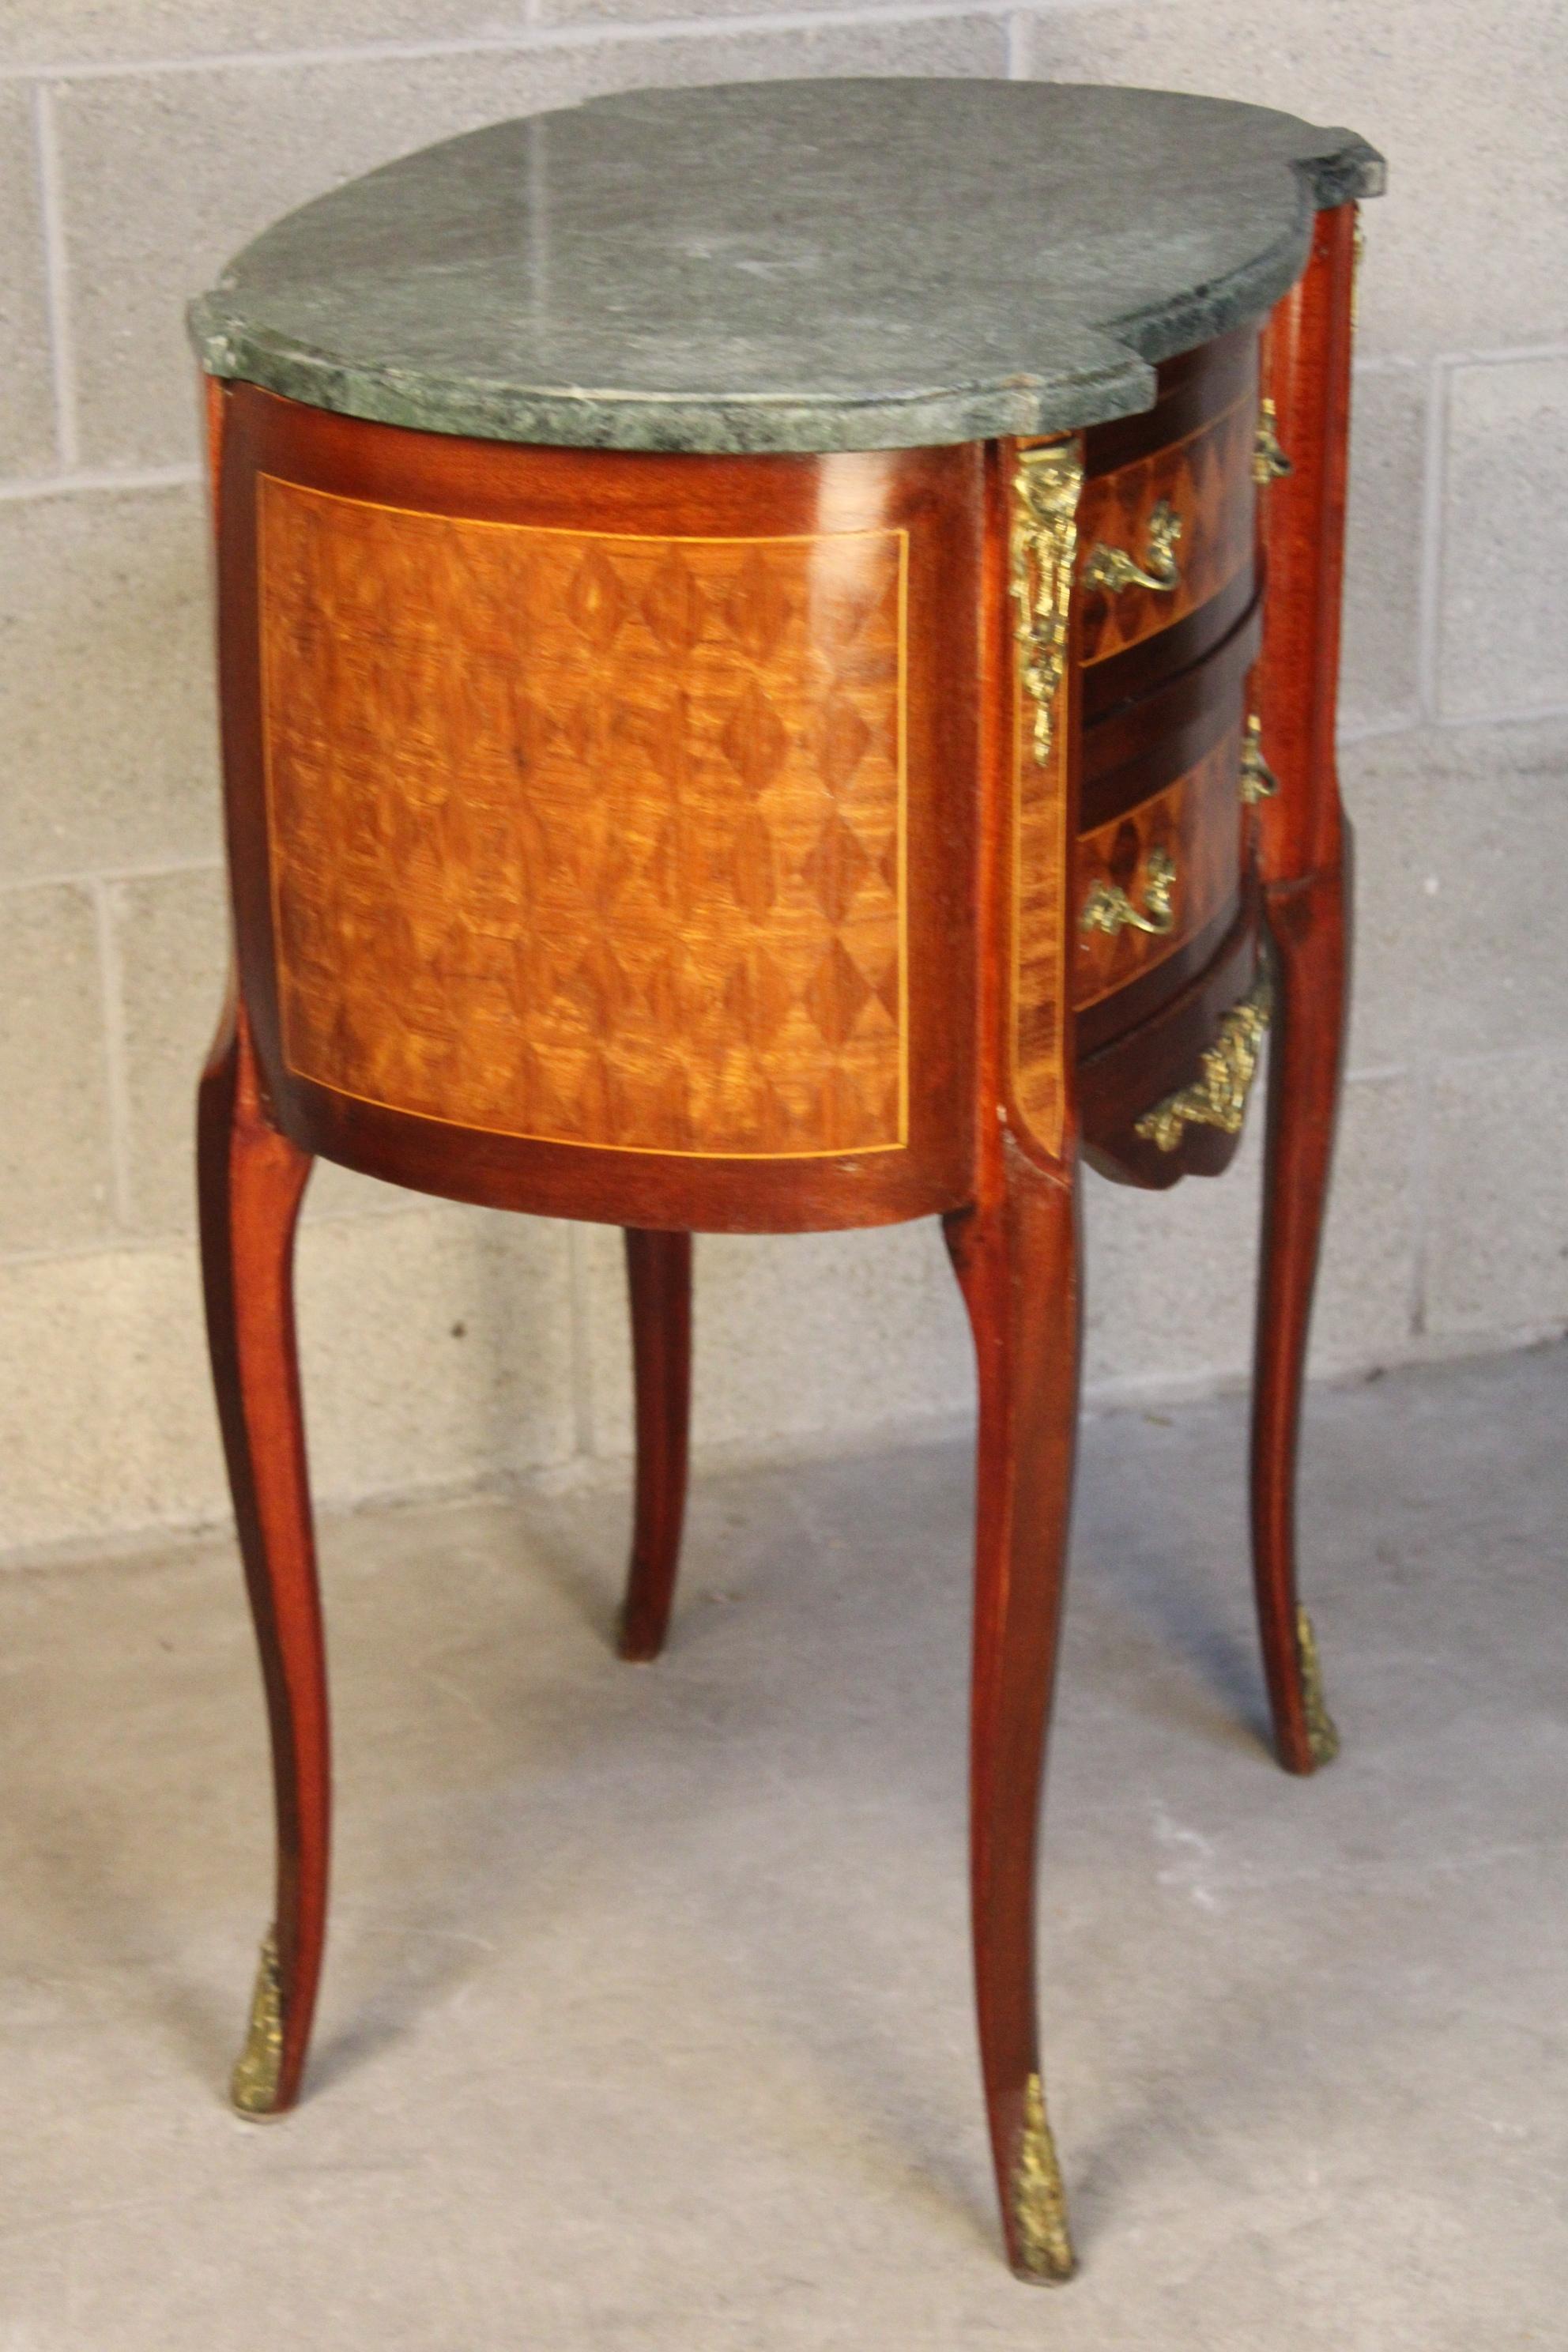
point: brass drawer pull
(1269, 463)
(1259, 781)
(1112, 568)
(1108, 907)
(1217, 1097)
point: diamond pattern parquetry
(1207, 478)
(591, 839)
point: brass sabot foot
(254, 2085)
(1039, 2207)
(1322, 1738)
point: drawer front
(1151, 880)
(1183, 517)
(1167, 525)
(1161, 1062)
(1135, 751)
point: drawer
(1134, 751)
(1166, 560)
(1123, 1086)
(1162, 830)
(1159, 875)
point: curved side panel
(607, 810)
(588, 837)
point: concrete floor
(647, 2017)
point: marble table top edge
(1069, 368)
(605, 417)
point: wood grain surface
(1197, 823)
(1306, 857)
(588, 837)
(1151, 1057)
(1306, 354)
(1044, 797)
(658, 1279)
(250, 1183)
(1207, 478)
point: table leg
(251, 1179)
(1308, 921)
(1018, 1262)
(658, 1270)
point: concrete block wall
(138, 146)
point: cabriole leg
(251, 1179)
(658, 1269)
(1309, 923)
(1018, 1262)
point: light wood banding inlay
(588, 838)
(1040, 915)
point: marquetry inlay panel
(1196, 823)
(1207, 478)
(590, 838)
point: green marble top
(798, 265)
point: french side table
(778, 654)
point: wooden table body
(837, 852)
